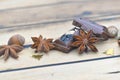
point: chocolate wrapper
(64, 42)
(98, 30)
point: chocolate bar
(64, 42)
(87, 25)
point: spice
(10, 50)
(119, 41)
(84, 41)
(118, 38)
(113, 31)
(42, 45)
(16, 39)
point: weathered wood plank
(64, 10)
(33, 20)
(97, 70)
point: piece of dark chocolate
(87, 25)
(64, 42)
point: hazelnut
(16, 39)
(113, 31)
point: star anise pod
(119, 41)
(42, 45)
(10, 50)
(84, 41)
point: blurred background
(18, 13)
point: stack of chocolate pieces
(64, 42)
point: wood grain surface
(52, 19)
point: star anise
(84, 41)
(42, 45)
(10, 50)
(119, 41)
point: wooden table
(52, 19)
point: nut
(16, 39)
(113, 31)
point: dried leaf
(38, 57)
(109, 51)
